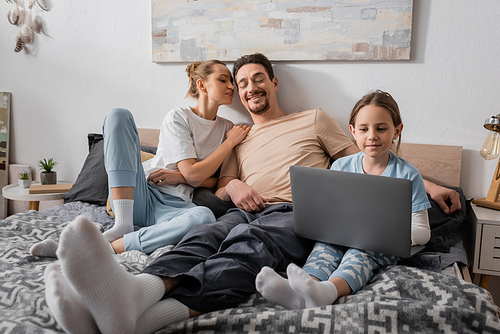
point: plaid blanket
(397, 299)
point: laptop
(367, 212)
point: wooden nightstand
(487, 245)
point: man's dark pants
(219, 261)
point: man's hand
(161, 177)
(244, 196)
(447, 199)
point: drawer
(489, 258)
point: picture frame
(5, 102)
(185, 30)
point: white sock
(46, 248)
(315, 293)
(71, 314)
(114, 297)
(124, 219)
(155, 317)
(275, 288)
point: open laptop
(361, 211)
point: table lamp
(489, 151)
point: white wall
(96, 55)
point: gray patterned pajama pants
(355, 266)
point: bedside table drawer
(490, 248)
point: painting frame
(284, 30)
(5, 102)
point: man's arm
(242, 195)
(353, 149)
(447, 199)
(231, 188)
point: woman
(157, 195)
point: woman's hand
(162, 177)
(237, 134)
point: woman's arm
(164, 176)
(195, 173)
(420, 229)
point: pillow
(91, 185)
(146, 156)
(149, 149)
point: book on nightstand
(50, 188)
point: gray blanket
(397, 299)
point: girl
(333, 271)
(157, 194)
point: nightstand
(13, 192)
(487, 246)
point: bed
(430, 293)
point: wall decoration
(4, 147)
(24, 14)
(187, 30)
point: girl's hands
(161, 177)
(237, 134)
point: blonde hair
(199, 70)
(382, 99)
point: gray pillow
(91, 185)
(149, 149)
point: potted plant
(48, 176)
(24, 180)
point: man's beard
(259, 110)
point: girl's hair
(199, 70)
(382, 99)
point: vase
(24, 183)
(48, 178)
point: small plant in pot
(24, 180)
(48, 176)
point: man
(215, 265)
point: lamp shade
(490, 150)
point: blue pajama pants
(355, 266)
(164, 219)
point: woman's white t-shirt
(185, 135)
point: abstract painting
(4, 147)
(189, 30)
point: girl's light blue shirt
(396, 167)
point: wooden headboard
(440, 164)
(149, 137)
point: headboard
(440, 164)
(149, 137)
